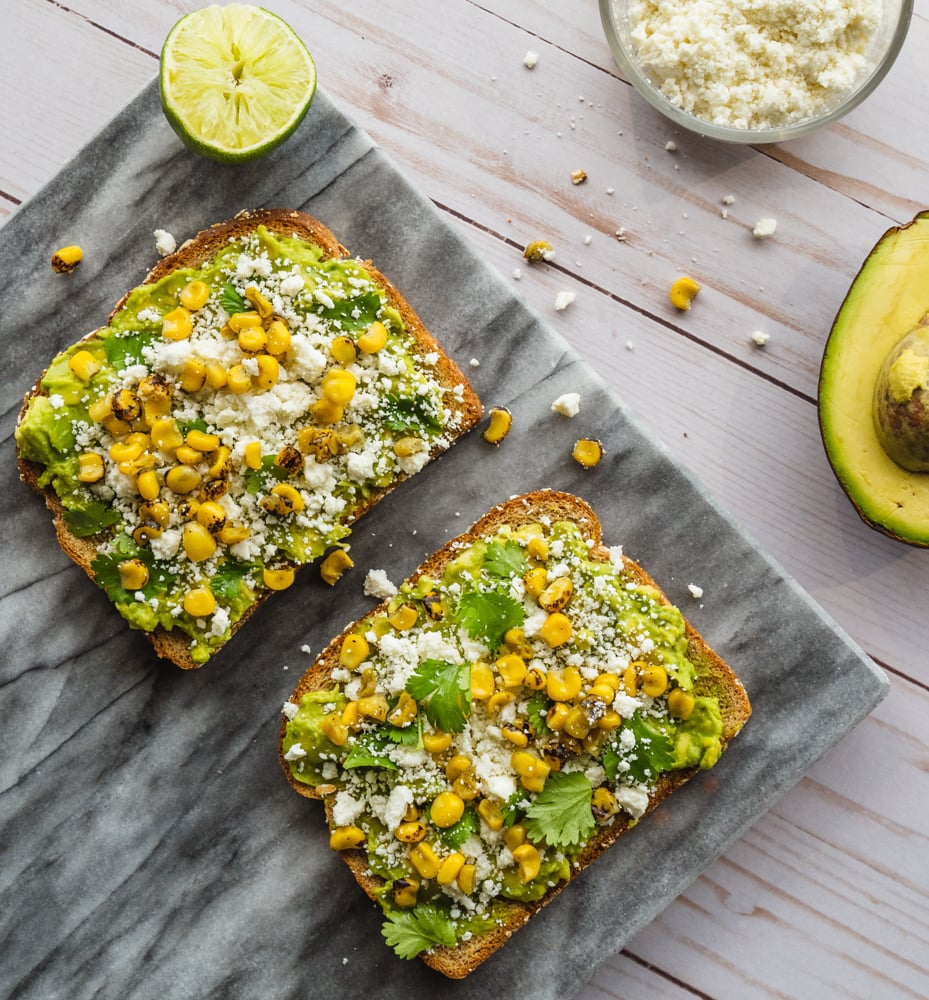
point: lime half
(235, 81)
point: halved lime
(235, 81)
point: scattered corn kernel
(338, 386)
(334, 565)
(654, 680)
(449, 869)
(133, 574)
(261, 304)
(84, 365)
(538, 251)
(447, 808)
(683, 292)
(90, 467)
(65, 260)
(253, 455)
(374, 339)
(199, 602)
(198, 543)
(405, 892)
(424, 859)
(278, 579)
(410, 833)
(681, 703)
(343, 350)
(498, 425)
(177, 324)
(556, 630)
(528, 861)
(437, 741)
(354, 651)
(344, 838)
(404, 618)
(587, 452)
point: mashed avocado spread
(227, 426)
(484, 728)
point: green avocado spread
(228, 425)
(485, 727)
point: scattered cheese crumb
(306, 649)
(165, 243)
(671, 146)
(563, 300)
(517, 273)
(588, 239)
(695, 591)
(530, 59)
(759, 339)
(289, 709)
(568, 405)
(764, 228)
(578, 176)
(729, 199)
(474, 363)
(378, 585)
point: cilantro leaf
(106, 570)
(198, 424)
(505, 560)
(455, 835)
(561, 814)
(410, 415)
(355, 313)
(512, 812)
(488, 615)
(232, 301)
(227, 580)
(652, 753)
(536, 711)
(368, 751)
(445, 690)
(90, 518)
(256, 479)
(123, 350)
(409, 932)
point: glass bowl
(885, 45)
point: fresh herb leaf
(232, 301)
(652, 752)
(445, 691)
(407, 736)
(90, 518)
(106, 570)
(455, 835)
(537, 711)
(512, 812)
(410, 415)
(198, 424)
(561, 814)
(368, 751)
(226, 581)
(409, 932)
(505, 560)
(123, 350)
(355, 313)
(488, 615)
(256, 479)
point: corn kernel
(133, 574)
(498, 425)
(262, 306)
(491, 814)
(610, 720)
(557, 595)
(216, 375)
(535, 581)
(343, 349)
(253, 455)
(603, 804)
(410, 833)
(90, 467)
(157, 511)
(537, 548)
(283, 500)
(535, 679)
(187, 455)
(654, 680)
(447, 808)
(423, 858)
(528, 861)
(556, 716)
(457, 766)
(244, 321)
(194, 295)
(404, 618)
(338, 386)
(199, 602)
(631, 679)
(683, 292)
(587, 452)
(334, 565)
(498, 699)
(147, 485)
(198, 543)
(466, 878)
(166, 436)
(193, 375)
(577, 724)
(177, 324)
(563, 686)
(449, 869)
(100, 409)
(681, 703)
(354, 651)
(512, 670)
(201, 440)
(436, 742)
(182, 479)
(211, 515)
(269, 372)
(278, 579)
(279, 339)
(143, 533)
(84, 365)
(65, 260)
(232, 534)
(374, 339)
(252, 339)
(344, 838)
(327, 412)
(219, 463)
(238, 380)
(334, 729)
(405, 892)
(404, 712)
(515, 733)
(556, 630)
(482, 681)
(514, 836)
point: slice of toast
(495, 671)
(312, 354)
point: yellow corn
(528, 861)
(166, 436)
(278, 579)
(577, 724)
(199, 602)
(557, 594)
(84, 365)
(269, 371)
(498, 699)
(373, 707)
(482, 681)
(143, 533)
(219, 463)
(457, 766)
(538, 250)
(587, 452)
(238, 380)
(117, 428)
(157, 511)
(631, 679)
(535, 581)
(407, 446)
(466, 878)
(327, 412)
(211, 515)
(232, 534)
(683, 292)
(338, 386)
(514, 836)
(100, 409)
(681, 703)
(133, 574)
(147, 485)
(411, 832)
(243, 321)
(125, 451)
(556, 716)
(449, 869)
(447, 808)
(432, 605)
(67, 258)
(201, 440)
(193, 375)
(515, 733)
(252, 339)
(182, 479)
(423, 858)
(350, 715)
(262, 306)
(289, 459)
(194, 295)
(198, 543)
(343, 350)
(556, 630)
(537, 548)
(404, 712)
(216, 375)
(405, 892)
(187, 455)
(90, 467)
(334, 565)
(436, 742)
(491, 814)
(654, 680)
(512, 669)
(278, 338)
(344, 838)
(283, 500)
(535, 679)
(322, 443)
(610, 720)
(498, 425)
(404, 618)
(253, 454)
(610, 681)
(177, 324)
(603, 804)
(126, 405)
(374, 338)
(354, 651)
(334, 729)
(465, 786)
(563, 686)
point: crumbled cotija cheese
(754, 63)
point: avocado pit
(901, 401)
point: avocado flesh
(887, 300)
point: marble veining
(150, 846)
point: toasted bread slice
(543, 532)
(326, 452)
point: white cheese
(568, 404)
(633, 799)
(563, 300)
(764, 228)
(378, 585)
(165, 243)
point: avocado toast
(482, 736)
(242, 408)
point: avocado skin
(887, 299)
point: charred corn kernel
(147, 484)
(610, 720)
(532, 770)
(449, 869)
(423, 858)
(432, 605)
(408, 446)
(437, 742)
(654, 680)
(279, 339)
(683, 292)
(528, 861)
(557, 594)
(538, 250)
(216, 375)
(126, 405)
(482, 681)
(564, 685)
(278, 579)
(214, 488)
(283, 500)
(67, 258)
(322, 443)
(465, 786)
(556, 630)
(182, 479)
(587, 452)
(515, 733)
(631, 679)
(404, 618)
(243, 321)
(177, 324)
(338, 385)
(166, 436)
(198, 543)
(681, 703)
(117, 428)
(344, 838)
(343, 349)
(577, 724)
(354, 651)
(143, 533)
(411, 813)
(253, 454)
(327, 412)
(188, 507)
(373, 707)
(252, 339)
(498, 425)
(193, 375)
(125, 451)
(411, 832)
(537, 548)
(133, 574)
(220, 462)
(84, 365)
(100, 409)
(155, 403)
(187, 455)
(466, 878)
(199, 602)
(457, 766)
(211, 515)
(157, 511)
(490, 813)
(535, 581)
(232, 534)
(498, 699)
(142, 463)
(602, 691)
(535, 679)
(201, 440)
(374, 338)
(405, 892)
(238, 380)
(334, 565)
(447, 808)
(603, 804)
(262, 306)
(608, 680)
(554, 754)
(512, 670)
(514, 836)
(269, 371)
(90, 467)
(404, 712)
(194, 295)
(334, 729)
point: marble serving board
(150, 845)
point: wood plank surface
(825, 896)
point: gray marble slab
(150, 846)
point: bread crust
(175, 645)
(715, 678)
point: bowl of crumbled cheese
(755, 70)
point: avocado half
(887, 300)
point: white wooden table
(826, 896)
